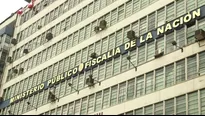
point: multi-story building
(6, 33)
(107, 57)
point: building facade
(143, 57)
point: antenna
(129, 59)
(174, 43)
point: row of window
(63, 25)
(63, 8)
(187, 104)
(69, 41)
(138, 57)
(164, 77)
(37, 8)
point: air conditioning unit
(93, 55)
(21, 70)
(49, 36)
(51, 97)
(200, 35)
(14, 41)
(96, 29)
(159, 53)
(9, 59)
(39, 26)
(1, 99)
(36, 11)
(131, 34)
(15, 71)
(25, 51)
(103, 25)
(45, 3)
(90, 81)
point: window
(139, 111)
(169, 75)
(81, 35)
(169, 107)
(106, 97)
(58, 27)
(169, 46)
(98, 47)
(126, 29)
(113, 99)
(193, 103)
(170, 12)
(69, 42)
(75, 38)
(102, 4)
(116, 66)
(108, 72)
(67, 23)
(202, 63)
(72, 61)
(71, 108)
(98, 101)
(53, 50)
(68, 88)
(113, 17)
(64, 109)
(140, 86)
(130, 89)
(143, 25)
(191, 67)
(151, 19)
(158, 109)
(90, 9)
(104, 45)
(181, 105)
(84, 55)
(81, 81)
(73, 20)
(91, 103)
(148, 110)
(85, 13)
(180, 37)
(128, 8)
(144, 3)
(101, 72)
(58, 112)
(121, 13)
(190, 4)
(141, 55)
(160, 17)
(124, 63)
(111, 43)
(77, 107)
(107, 18)
(122, 93)
(62, 89)
(202, 99)
(50, 71)
(40, 99)
(149, 83)
(180, 10)
(180, 71)
(150, 50)
(87, 31)
(119, 39)
(190, 34)
(159, 79)
(84, 106)
(129, 113)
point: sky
(7, 7)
